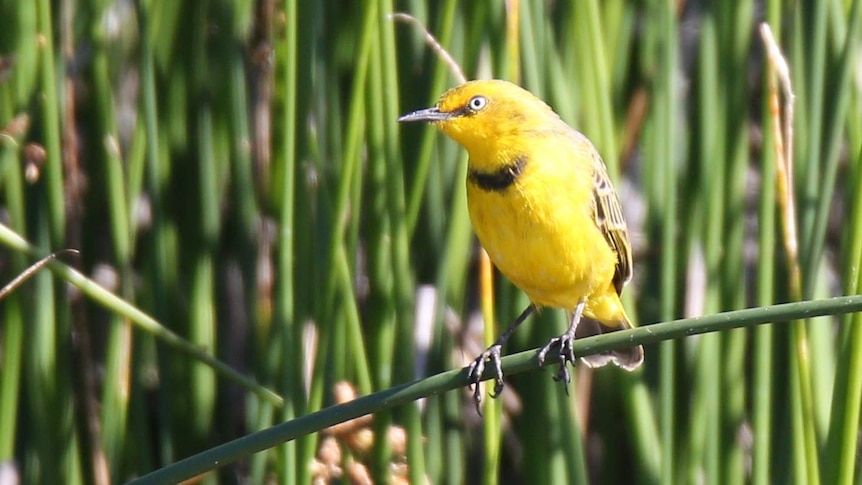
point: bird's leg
(566, 342)
(492, 353)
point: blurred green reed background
(235, 170)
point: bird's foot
(565, 342)
(477, 368)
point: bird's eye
(478, 102)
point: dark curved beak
(429, 115)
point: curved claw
(566, 342)
(477, 368)
(567, 355)
(543, 352)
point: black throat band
(500, 179)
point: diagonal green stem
(513, 364)
(140, 319)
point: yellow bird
(545, 210)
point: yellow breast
(540, 231)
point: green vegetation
(254, 227)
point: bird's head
(487, 115)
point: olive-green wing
(609, 217)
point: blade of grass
(51, 124)
(403, 279)
(663, 148)
(814, 19)
(156, 167)
(13, 325)
(712, 158)
(118, 362)
(736, 24)
(842, 440)
(837, 101)
(285, 317)
(383, 311)
(763, 381)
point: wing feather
(609, 218)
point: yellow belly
(541, 235)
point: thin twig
(29, 272)
(433, 44)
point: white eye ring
(478, 102)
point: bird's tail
(629, 358)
